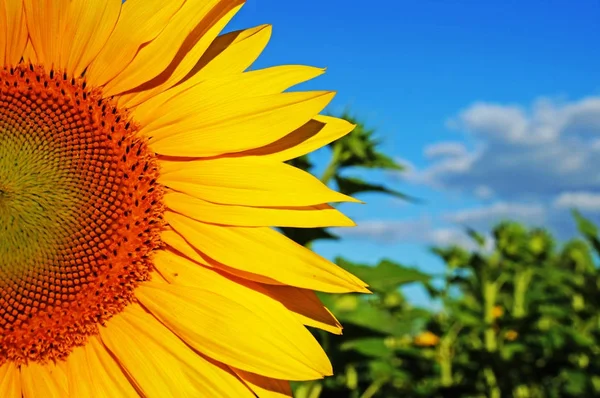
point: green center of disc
(36, 198)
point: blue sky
(493, 105)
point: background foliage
(518, 317)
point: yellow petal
(302, 217)
(186, 100)
(265, 387)
(29, 55)
(313, 135)
(266, 252)
(249, 332)
(46, 20)
(92, 372)
(89, 25)
(247, 182)
(247, 123)
(140, 22)
(176, 242)
(161, 364)
(48, 380)
(10, 381)
(230, 53)
(306, 306)
(13, 32)
(178, 37)
(186, 57)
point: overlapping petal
(304, 304)
(266, 252)
(185, 99)
(183, 247)
(265, 387)
(140, 22)
(13, 32)
(10, 381)
(93, 372)
(44, 380)
(239, 327)
(182, 39)
(200, 131)
(303, 217)
(160, 364)
(247, 182)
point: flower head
(141, 171)
(426, 339)
(497, 311)
(511, 335)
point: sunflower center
(80, 212)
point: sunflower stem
(489, 293)
(333, 165)
(373, 388)
(522, 280)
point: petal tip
(351, 199)
(266, 27)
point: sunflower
(142, 170)
(426, 339)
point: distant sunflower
(426, 339)
(141, 171)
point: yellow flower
(497, 312)
(426, 339)
(141, 171)
(511, 335)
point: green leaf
(353, 185)
(368, 316)
(576, 256)
(576, 382)
(454, 256)
(385, 276)
(303, 162)
(382, 161)
(305, 236)
(477, 237)
(381, 370)
(372, 347)
(357, 146)
(359, 149)
(587, 229)
(585, 226)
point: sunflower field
(516, 317)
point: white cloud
(421, 231)
(536, 153)
(449, 228)
(390, 231)
(503, 123)
(487, 215)
(450, 236)
(585, 201)
(535, 163)
(454, 236)
(582, 117)
(445, 149)
(483, 192)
